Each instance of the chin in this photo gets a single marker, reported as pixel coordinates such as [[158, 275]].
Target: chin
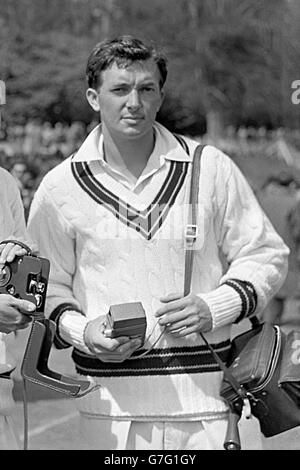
[[134, 132]]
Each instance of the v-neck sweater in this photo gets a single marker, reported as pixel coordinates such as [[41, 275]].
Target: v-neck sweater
[[109, 245]]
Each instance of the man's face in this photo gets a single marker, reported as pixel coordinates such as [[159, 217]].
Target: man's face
[[128, 99], [18, 170]]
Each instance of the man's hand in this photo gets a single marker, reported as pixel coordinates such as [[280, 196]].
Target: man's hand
[[12, 310], [8, 252], [108, 349], [13, 313], [184, 315]]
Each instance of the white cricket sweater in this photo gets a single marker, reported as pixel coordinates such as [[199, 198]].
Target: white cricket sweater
[[108, 243]]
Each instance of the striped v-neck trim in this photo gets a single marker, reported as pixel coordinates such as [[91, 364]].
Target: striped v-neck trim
[[147, 221]]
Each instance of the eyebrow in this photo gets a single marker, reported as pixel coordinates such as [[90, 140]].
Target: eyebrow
[[147, 81]]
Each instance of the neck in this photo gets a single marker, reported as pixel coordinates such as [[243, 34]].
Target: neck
[[133, 153]]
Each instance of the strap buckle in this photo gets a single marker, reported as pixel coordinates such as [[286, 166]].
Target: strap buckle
[[191, 233]]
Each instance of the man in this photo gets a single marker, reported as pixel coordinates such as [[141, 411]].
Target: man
[[18, 171], [13, 312], [112, 226]]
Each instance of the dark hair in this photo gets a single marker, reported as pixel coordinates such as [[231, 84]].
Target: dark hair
[[122, 50]]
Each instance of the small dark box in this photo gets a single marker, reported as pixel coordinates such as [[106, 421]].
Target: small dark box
[[126, 320]]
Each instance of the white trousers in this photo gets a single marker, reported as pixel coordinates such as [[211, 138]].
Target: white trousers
[[8, 437], [107, 434]]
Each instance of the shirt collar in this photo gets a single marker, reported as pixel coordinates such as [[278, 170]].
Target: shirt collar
[[166, 147]]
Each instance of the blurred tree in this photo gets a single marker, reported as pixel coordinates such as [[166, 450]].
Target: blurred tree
[[230, 54], [231, 61]]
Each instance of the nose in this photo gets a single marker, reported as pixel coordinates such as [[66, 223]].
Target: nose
[[133, 101]]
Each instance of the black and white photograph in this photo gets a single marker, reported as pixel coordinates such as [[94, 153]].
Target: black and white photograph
[[150, 227]]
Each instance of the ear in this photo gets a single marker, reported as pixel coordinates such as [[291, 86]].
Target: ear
[[162, 97], [92, 97]]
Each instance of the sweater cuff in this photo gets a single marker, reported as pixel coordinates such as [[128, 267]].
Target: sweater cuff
[[72, 325], [225, 305], [55, 316]]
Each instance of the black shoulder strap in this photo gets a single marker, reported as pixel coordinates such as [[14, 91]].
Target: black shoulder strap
[[191, 234], [192, 228]]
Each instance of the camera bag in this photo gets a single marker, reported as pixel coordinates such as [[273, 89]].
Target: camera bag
[[266, 362]]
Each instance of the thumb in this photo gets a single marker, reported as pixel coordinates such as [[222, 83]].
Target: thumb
[[23, 305], [170, 297]]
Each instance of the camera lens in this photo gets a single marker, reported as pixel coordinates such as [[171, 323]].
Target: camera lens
[[5, 275]]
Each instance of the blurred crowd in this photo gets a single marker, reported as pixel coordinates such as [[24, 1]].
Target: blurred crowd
[[31, 149], [261, 133]]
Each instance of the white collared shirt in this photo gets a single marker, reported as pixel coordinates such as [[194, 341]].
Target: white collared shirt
[[92, 150]]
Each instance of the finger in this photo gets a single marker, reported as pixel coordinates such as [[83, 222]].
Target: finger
[[23, 306], [170, 297], [15, 251], [23, 322], [24, 325], [116, 346], [14, 321], [173, 305], [2, 260], [185, 331], [2, 248], [171, 318], [128, 347], [109, 344], [117, 342], [6, 249], [187, 322]]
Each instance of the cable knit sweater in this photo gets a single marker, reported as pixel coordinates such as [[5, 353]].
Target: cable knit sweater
[[109, 243]]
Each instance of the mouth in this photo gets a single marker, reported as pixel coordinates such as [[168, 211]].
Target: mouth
[[133, 118]]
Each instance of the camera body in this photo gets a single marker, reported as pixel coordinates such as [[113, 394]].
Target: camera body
[[127, 319], [26, 277]]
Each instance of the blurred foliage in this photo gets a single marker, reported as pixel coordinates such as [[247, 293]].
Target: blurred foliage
[[231, 61]]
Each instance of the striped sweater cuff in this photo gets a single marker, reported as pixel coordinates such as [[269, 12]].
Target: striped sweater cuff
[[72, 326], [224, 304], [59, 341], [231, 302], [248, 296]]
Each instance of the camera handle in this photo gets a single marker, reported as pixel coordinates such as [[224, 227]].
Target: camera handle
[[34, 366], [35, 362]]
